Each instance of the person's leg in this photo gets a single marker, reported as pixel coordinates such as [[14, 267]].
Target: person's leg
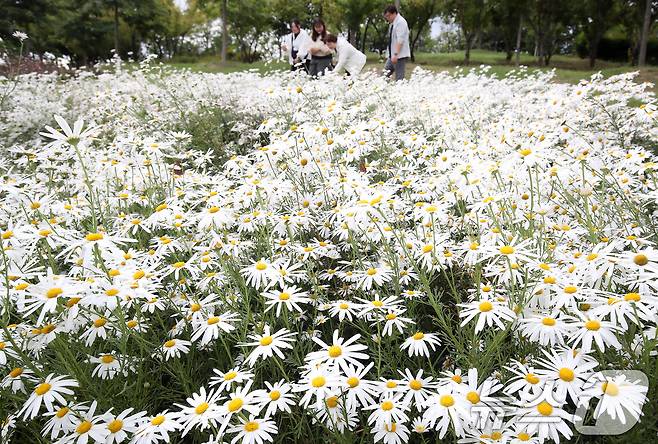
[[324, 65], [313, 68], [400, 67], [389, 67]]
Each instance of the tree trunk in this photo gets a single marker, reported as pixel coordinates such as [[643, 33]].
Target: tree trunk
[[646, 25], [116, 26], [469, 43], [363, 37], [224, 30], [518, 41], [414, 42], [594, 49], [397, 4], [351, 37]]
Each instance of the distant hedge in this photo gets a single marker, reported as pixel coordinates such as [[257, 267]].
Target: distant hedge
[[616, 49]]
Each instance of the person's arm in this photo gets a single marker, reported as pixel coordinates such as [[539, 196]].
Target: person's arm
[[342, 59], [302, 52], [401, 34]]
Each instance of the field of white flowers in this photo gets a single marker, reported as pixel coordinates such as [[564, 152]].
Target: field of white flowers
[[452, 257]]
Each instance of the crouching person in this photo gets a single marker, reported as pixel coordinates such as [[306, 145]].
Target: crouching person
[[349, 58]]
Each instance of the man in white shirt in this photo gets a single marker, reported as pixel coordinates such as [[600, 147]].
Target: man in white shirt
[[349, 58], [296, 46], [398, 43]]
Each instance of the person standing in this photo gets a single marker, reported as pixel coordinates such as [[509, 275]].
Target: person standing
[[398, 43], [321, 55], [349, 58], [296, 46]]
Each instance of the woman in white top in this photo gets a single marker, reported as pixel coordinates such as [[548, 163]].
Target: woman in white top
[[321, 55], [349, 58], [296, 44]]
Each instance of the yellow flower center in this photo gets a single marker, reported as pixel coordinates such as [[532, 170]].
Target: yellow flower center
[[318, 381], [548, 322], [158, 420], [115, 426], [266, 340], [428, 248], [532, 378], [284, 296], [230, 376], [275, 395], [234, 405], [473, 397], [170, 343], [485, 306], [566, 374], [506, 249], [570, 289], [15, 373], [54, 292], [213, 320], [418, 336], [610, 388], [335, 351], [91, 237], [545, 408], [447, 401], [387, 405], [201, 408], [260, 266], [523, 436], [593, 325], [107, 359], [332, 402], [83, 428], [62, 412], [641, 259], [251, 426], [632, 297], [42, 389], [377, 303], [415, 384], [353, 381]]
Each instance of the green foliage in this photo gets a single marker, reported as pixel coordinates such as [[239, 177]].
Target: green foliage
[[214, 129]]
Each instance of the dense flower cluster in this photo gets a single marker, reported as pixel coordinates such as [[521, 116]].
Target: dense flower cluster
[[454, 255]]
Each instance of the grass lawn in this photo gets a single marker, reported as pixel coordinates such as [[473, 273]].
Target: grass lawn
[[570, 69]]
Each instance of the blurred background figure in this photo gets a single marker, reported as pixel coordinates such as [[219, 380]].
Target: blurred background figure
[[321, 54], [398, 43], [296, 45], [349, 58]]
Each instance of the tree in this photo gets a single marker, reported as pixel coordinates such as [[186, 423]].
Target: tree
[[471, 16], [418, 14], [647, 20], [596, 17], [356, 13], [507, 16], [549, 19]]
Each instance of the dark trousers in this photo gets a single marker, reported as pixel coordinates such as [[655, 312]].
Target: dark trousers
[[397, 68], [319, 65]]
